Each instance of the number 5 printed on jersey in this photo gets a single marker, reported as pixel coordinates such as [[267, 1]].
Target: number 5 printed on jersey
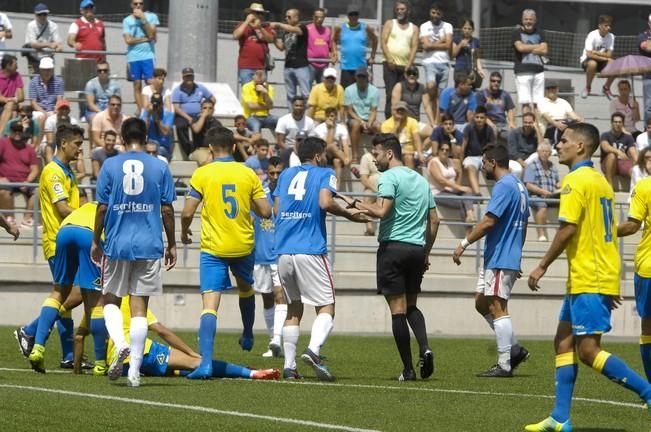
[[229, 200]]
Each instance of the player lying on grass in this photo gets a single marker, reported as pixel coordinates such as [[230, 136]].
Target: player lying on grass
[[174, 359]]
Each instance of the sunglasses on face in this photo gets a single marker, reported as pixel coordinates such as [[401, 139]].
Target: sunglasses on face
[[137, 4], [496, 81], [116, 104], [102, 70], [41, 14]]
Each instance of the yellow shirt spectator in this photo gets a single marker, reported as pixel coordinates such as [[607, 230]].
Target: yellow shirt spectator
[[321, 98], [587, 201], [406, 134], [57, 183], [251, 95]]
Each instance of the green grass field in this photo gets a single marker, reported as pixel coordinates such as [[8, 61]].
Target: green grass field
[[366, 395]]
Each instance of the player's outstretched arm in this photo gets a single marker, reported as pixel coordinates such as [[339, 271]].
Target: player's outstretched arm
[[480, 230], [327, 203], [96, 252], [172, 339], [560, 242], [379, 209], [629, 227], [167, 212]]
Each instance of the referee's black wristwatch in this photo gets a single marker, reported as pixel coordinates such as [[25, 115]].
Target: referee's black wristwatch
[[353, 205]]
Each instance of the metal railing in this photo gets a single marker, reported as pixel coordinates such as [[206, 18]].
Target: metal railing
[[333, 243]]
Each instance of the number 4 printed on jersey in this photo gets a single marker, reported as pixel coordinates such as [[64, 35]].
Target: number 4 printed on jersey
[[297, 186]]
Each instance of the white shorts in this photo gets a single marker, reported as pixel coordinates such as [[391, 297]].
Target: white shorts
[[307, 278], [496, 282], [138, 278], [530, 88], [472, 161], [265, 278]]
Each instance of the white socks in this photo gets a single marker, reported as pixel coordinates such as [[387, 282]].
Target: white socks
[[138, 336], [280, 314], [115, 325], [269, 319], [320, 331], [504, 335], [290, 340], [489, 319]]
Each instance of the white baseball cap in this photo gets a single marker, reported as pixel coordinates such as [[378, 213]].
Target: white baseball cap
[[330, 72], [46, 63]]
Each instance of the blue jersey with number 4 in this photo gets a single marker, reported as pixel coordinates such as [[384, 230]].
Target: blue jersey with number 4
[[509, 203], [133, 185], [300, 222]]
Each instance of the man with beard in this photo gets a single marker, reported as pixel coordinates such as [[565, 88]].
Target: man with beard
[[505, 228], [408, 227], [530, 48], [301, 200], [290, 125], [399, 45], [320, 45]]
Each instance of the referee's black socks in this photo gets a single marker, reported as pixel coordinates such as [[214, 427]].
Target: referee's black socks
[[417, 323], [401, 336]]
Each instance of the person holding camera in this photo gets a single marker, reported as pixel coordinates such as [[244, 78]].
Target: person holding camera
[[159, 125]]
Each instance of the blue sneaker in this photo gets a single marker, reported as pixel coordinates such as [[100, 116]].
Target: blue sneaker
[[549, 425], [202, 372], [291, 374], [246, 343], [322, 372]]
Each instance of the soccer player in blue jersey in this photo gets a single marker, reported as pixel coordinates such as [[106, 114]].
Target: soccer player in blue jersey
[[588, 234], [265, 271], [505, 228], [133, 190], [304, 195]]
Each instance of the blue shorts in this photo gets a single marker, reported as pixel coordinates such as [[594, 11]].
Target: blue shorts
[[154, 363], [140, 70], [213, 271], [72, 264], [588, 313], [642, 296]]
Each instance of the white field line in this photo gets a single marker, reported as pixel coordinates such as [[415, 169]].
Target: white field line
[[191, 408], [427, 390]]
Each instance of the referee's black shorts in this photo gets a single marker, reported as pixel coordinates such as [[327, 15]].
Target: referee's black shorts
[[400, 268]]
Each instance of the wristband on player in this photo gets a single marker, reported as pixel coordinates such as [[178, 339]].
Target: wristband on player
[[353, 205], [465, 243]]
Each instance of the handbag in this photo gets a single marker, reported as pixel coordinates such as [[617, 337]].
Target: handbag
[[34, 56]]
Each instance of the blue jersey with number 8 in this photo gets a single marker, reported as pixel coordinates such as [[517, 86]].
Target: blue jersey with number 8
[[134, 185], [300, 221]]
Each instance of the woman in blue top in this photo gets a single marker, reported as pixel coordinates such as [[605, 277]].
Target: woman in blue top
[[465, 51]]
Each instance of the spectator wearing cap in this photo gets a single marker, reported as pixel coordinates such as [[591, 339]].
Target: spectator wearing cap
[[618, 151], [45, 90], [436, 39], [31, 127], [160, 125], [499, 105], [399, 40], [257, 101], [353, 37], [406, 129], [597, 53], [361, 100], [557, 112], [294, 43], [139, 32], [644, 47], [98, 91], [320, 45], [530, 48], [187, 98], [324, 95], [41, 33], [60, 117], [6, 31], [460, 102], [109, 119], [11, 88], [415, 95], [18, 164], [87, 33], [477, 135], [254, 36]]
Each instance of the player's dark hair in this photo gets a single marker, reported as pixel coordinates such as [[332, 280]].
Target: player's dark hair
[[7, 59], [588, 132], [134, 131], [67, 132], [220, 137], [275, 161], [111, 132], [499, 154], [309, 148], [616, 114], [389, 142]]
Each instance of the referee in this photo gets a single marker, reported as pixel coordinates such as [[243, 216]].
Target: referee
[[408, 227]]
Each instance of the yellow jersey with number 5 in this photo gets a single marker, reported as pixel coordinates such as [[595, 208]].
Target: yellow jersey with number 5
[[587, 201], [226, 189], [640, 210]]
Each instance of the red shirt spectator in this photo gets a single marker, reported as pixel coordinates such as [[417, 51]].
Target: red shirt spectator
[[11, 83], [254, 37], [17, 158], [87, 33]]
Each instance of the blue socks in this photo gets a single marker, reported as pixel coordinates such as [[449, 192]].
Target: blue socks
[[207, 330], [66, 327], [247, 310], [30, 329], [618, 371], [49, 314], [566, 372], [99, 332], [222, 369]]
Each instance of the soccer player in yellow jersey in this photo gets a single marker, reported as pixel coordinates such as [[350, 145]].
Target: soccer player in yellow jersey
[[229, 191], [58, 197], [640, 212], [588, 234]]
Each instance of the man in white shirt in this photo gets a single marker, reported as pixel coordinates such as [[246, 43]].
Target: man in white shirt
[[5, 31], [557, 112], [597, 53], [644, 139], [41, 33], [290, 125], [436, 39]]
